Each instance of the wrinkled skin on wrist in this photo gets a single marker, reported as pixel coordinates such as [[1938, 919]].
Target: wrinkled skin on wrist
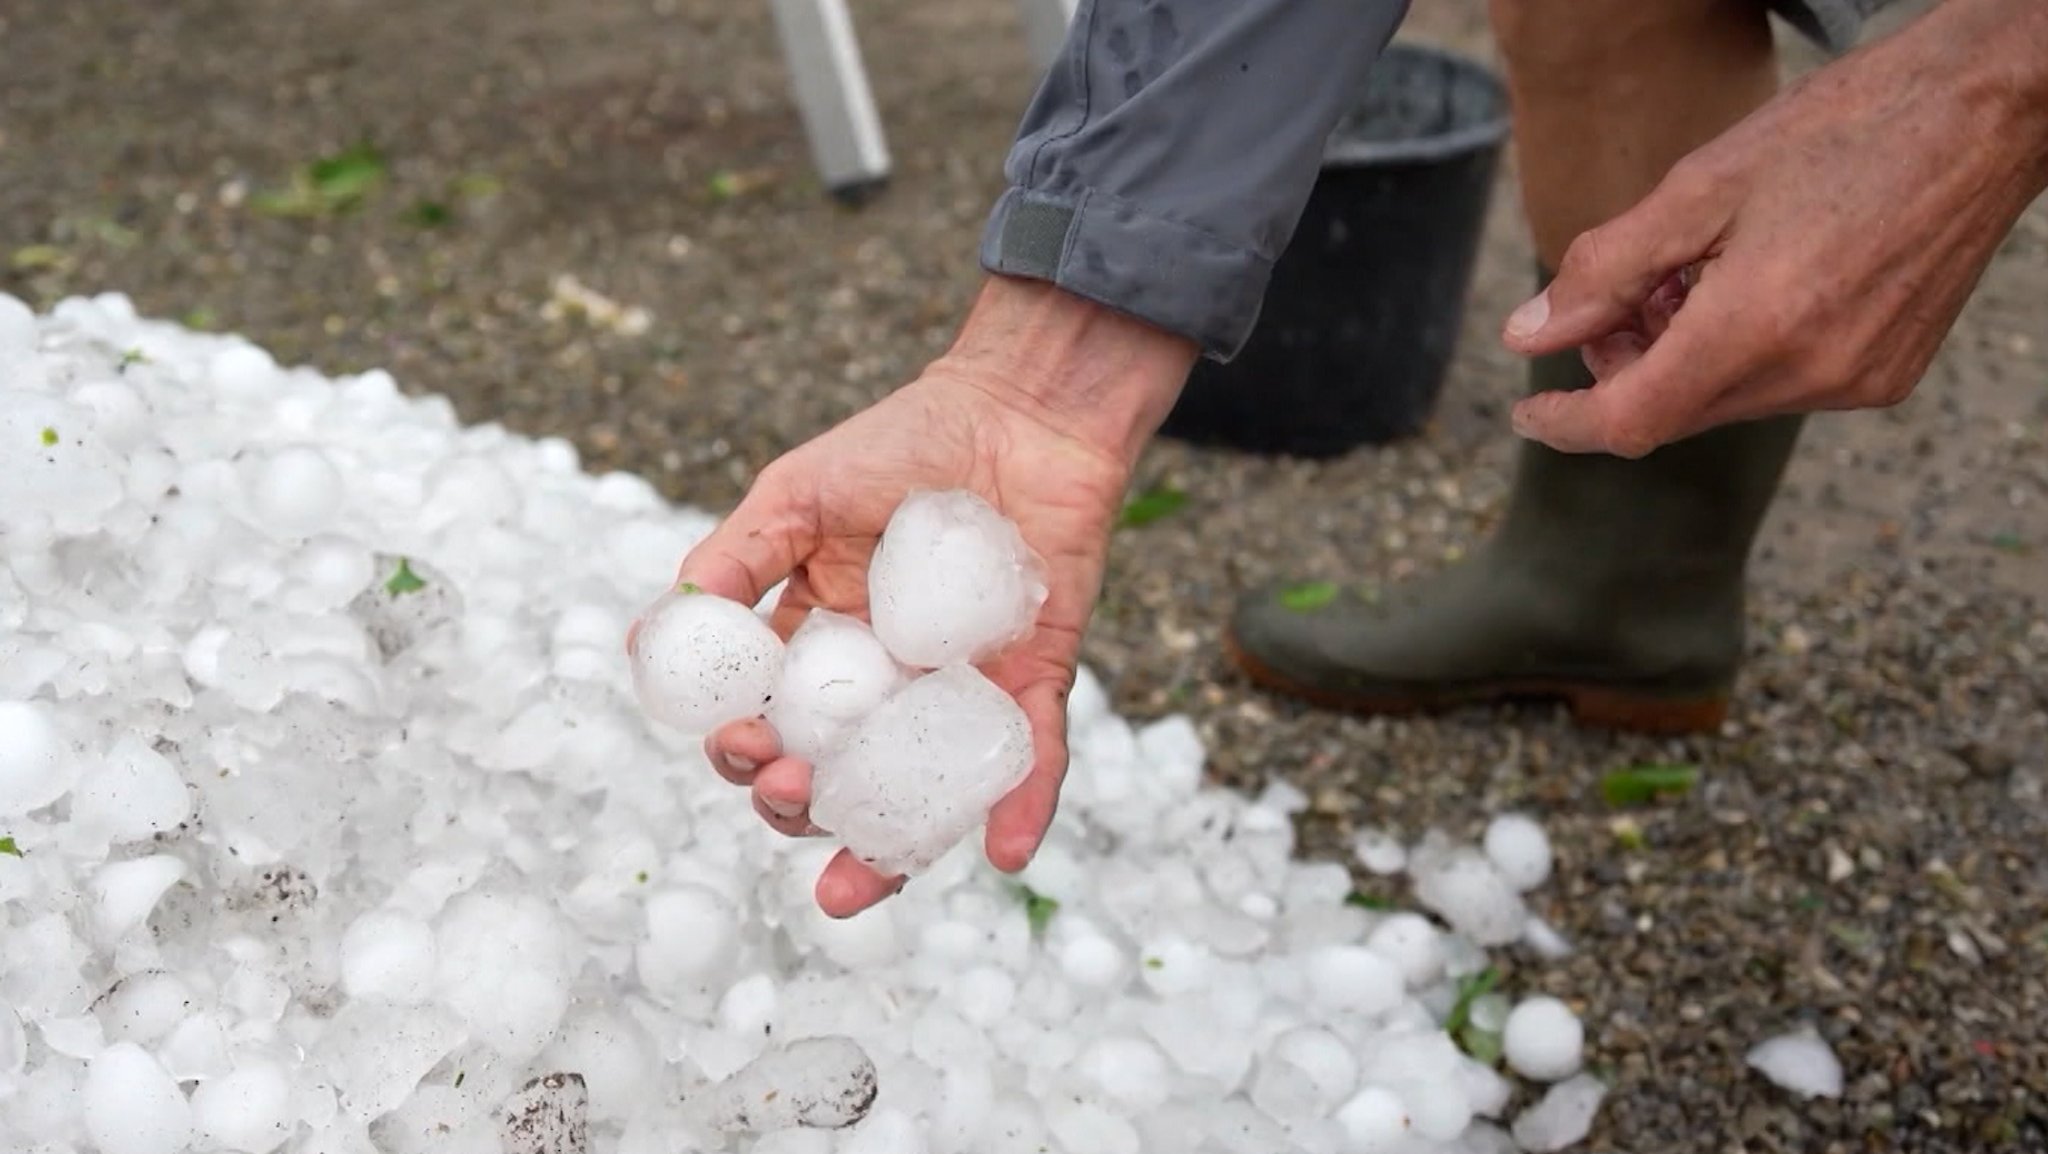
[[1812, 258]]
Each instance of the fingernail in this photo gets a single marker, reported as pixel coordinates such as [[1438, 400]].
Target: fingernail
[[1519, 422], [1528, 320], [742, 764], [781, 808]]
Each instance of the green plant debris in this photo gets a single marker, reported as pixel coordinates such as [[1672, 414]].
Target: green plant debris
[[7, 846], [1628, 835], [404, 580], [641, 877], [133, 357], [2009, 542], [1154, 964], [200, 318], [1483, 1045], [1038, 909], [1367, 901], [725, 185], [429, 214], [105, 230], [1645, 783], [477, 185], [39, 258], [1154, 504], [49, 435], [1308, 596], [1471, 988], [687, 589], [329, 186], [459, 1076]]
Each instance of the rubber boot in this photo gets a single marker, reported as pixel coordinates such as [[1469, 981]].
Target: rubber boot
[[1614, 586]]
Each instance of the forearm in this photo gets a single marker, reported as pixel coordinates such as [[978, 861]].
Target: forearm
[[1166, 158], [1999, 50], [1103, 378]]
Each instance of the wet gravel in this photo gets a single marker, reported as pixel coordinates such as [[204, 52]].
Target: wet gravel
[[1865, 849]]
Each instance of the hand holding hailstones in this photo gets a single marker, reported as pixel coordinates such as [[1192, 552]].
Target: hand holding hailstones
[[911, 746]]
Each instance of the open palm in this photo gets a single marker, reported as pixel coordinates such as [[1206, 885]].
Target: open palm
[[815, 517]]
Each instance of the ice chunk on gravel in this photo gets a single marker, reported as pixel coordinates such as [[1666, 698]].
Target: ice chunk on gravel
[[1562, 1117], [923, 770], [1519, 849], [1543, 1039], [952, 581], [1461, 885], [1801, 1062]]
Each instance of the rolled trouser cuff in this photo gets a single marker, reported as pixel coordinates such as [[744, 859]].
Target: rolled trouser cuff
[[1167, 273]]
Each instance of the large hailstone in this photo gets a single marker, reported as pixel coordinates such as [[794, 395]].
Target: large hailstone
[[1543, 1040], [700, 661], [835, 672], [923, 770], [952, 581], [37, 766]]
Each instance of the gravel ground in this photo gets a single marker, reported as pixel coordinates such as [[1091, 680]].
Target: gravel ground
[[1865, 850]]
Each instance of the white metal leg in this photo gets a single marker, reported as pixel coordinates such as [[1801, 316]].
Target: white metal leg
[[832, 93], [1045, 26]]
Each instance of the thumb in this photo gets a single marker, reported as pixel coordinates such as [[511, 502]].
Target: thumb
[[758, 545], [1610, 272]]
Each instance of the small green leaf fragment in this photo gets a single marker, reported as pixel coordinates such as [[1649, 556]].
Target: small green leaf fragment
[[641, 877], [1483, 1045], [1154, 964], [1628, 835], [200, 318], [1038, 908], [1308, 596], [1367, 901], [327, 186], [477, 185], [134, 357], [1156, 503], [726, 185], [1646, 783], [1471, 988], [38, 258], [2009, 542], [347, 176], [7, 846], [429, 214], [687, 589], [49, 435], [404, 580]]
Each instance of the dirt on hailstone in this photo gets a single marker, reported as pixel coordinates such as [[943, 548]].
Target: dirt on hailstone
[[1865, 850]]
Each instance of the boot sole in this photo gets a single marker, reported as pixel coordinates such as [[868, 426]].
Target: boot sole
[[1590, 706]]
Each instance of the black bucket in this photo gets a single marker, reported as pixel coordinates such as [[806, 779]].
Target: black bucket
[[1365, 305]]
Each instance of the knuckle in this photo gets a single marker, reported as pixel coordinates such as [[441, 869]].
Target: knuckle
[[1584, 256], [1892, 391], [1692, 177], [1632, 436]]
